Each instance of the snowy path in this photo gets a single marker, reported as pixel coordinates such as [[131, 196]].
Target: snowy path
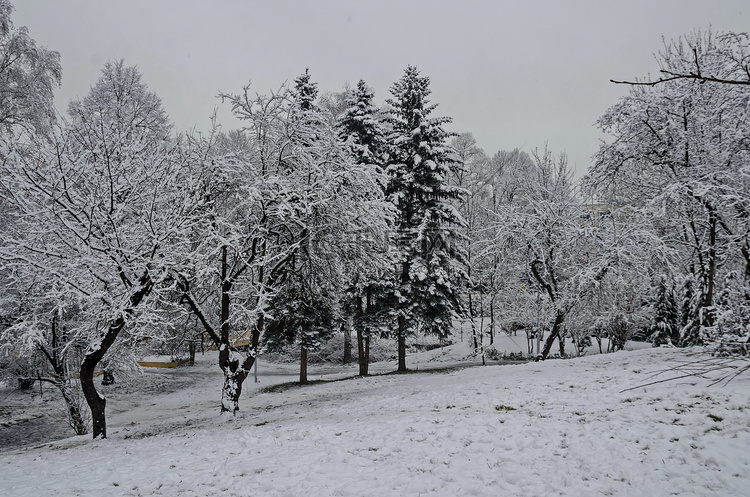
[[555, 428]]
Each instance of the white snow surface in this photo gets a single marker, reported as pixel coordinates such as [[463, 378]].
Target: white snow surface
[[561, 427]]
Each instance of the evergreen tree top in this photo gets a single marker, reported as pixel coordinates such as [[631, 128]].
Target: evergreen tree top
[[410, 105], [306, 91], [360, 124]]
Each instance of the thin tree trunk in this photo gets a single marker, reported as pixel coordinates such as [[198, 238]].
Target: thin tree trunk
[[61, 379], [74, 412], [473, 325], [561, 341], [347, 329], [401, 343], [360, 339], [402, 322], [303, 366], [709, 315], [367, 357], [492, 320]]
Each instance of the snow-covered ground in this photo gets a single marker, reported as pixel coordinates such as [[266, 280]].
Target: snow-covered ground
[[563, 427]]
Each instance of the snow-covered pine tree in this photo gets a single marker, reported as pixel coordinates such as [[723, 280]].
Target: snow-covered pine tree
[[370, 292], [362, 126], [306, 91], [665, 327], [430, 269]]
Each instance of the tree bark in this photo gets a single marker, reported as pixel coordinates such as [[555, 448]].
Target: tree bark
[[555, 333], [366, 370], [234, 376], [561, 341], [303, 365], [74, 412], [96, 352], [492, 320], [401, 339], [347, 329], [361, 353]]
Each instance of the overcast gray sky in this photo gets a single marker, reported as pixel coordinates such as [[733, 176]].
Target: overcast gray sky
[[514, 73]]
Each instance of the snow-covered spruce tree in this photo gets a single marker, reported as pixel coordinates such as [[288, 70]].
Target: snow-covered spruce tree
[[369, 291], [430, 268], [665, 327], [97, 208], [680, 151], [344, 232]]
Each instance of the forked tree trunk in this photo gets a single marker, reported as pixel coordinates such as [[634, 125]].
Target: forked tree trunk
[[303, 365], [96, 352], [554, 334], [234, 376]]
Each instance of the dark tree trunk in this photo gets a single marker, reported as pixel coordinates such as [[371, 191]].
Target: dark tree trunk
[[234, 376], [74, 412], [61, 378], [347, 329], [96, 352], [402, 321], [554, 334], [367, 358], [303, 365], [96, 402], [361, 353], [108, 378], [492, 320], [709, 314], [473, 325], [561, 341], [360, 338], [401, 341]]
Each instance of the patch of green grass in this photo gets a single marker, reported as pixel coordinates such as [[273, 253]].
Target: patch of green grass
[[713, 428], [261, 423], [504, 408], [715, 417]]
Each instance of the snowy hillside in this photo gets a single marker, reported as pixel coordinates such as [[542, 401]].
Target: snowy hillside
[[561, 427]]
